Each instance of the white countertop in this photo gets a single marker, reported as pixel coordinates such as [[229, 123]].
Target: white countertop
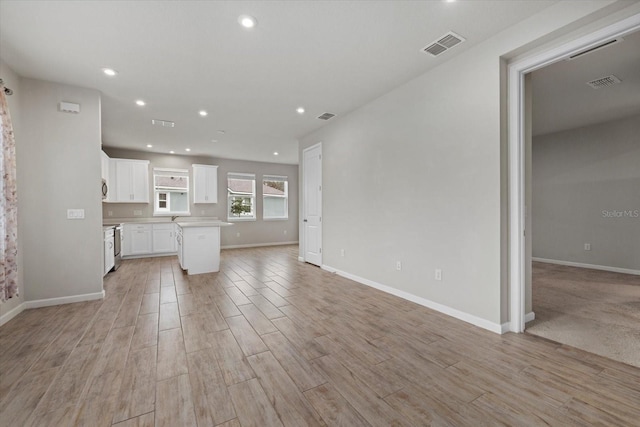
[[216, 223], [156, 220]]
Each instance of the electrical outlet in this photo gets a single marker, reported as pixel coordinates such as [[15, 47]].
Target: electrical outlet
[[137, 212], [398, 265], [438, 274], [341, 252], [238, 234], [587, 246], [202, 212], [285, 231], [110, 213]]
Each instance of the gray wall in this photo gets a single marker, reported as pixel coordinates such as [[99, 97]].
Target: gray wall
[[12, 81], [251, 232], [58, 169], [578, 174], [419, 176]]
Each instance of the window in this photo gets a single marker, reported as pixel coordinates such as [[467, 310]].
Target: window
[[171, 191], [241, 196], [275, 197]]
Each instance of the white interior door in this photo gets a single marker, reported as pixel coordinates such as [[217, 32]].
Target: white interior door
[[312, 204]]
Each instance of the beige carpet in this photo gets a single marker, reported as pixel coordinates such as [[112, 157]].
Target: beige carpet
[[593, 310]]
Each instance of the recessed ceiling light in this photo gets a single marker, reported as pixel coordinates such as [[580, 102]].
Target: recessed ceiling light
[[202, 113], [149, 145], [187, 149], [275, 153], [221, 132], [247, 21], [171, 152], [141, 103], [300, 110], [450, 1], [110, 72], [214, 140]]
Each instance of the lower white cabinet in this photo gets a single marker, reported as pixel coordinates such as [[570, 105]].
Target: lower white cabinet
[[108, 251], [164, 239], [148, 239]]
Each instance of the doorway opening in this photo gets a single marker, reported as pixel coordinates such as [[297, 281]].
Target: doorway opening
[[517, 158]]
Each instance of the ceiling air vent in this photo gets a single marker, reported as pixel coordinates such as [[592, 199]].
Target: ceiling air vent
[[604, 82], [445, 43], [326, 116], [593, 49], [164, 123]]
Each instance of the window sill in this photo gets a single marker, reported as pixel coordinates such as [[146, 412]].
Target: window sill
[[275, 219], [240, 219], [172, 214]]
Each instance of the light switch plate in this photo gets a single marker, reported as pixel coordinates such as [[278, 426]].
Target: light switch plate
[[75, 213]]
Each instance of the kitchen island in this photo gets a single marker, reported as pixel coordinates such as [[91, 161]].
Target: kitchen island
[[199, 245]]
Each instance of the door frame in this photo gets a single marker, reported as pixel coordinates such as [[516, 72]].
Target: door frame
[[304, 204], [516, 151]]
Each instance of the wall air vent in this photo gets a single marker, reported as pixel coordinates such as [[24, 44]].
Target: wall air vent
[[164, 123], [443, 44], [593, 49], [326, 116], [604, 81]]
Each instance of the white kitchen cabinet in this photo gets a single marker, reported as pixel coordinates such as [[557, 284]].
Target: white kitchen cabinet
[[164, 240], [205, 184], [131, 180], [137, 239], [179, 246], [109, 261], [199, 246]]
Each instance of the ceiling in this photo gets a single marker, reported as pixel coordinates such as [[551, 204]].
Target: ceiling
[[562, 99], [184, 56]]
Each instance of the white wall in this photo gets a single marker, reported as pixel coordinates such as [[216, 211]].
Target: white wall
[[581, 177], [12, 81], [59, 168], [418, 175], [251, 232]]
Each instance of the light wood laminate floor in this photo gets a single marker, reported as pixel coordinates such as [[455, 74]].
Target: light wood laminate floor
[[270, 341]]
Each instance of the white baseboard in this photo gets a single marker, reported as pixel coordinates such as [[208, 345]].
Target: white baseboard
[[258, 245], [63, 300], [150, 255], [301, 259], [591, 266], [12, 313], [461, 315], [529, 317]]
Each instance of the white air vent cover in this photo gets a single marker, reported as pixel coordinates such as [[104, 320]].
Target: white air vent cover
[[443, 44], [164, 123], [326, 116], [593, 49], [604, 81]]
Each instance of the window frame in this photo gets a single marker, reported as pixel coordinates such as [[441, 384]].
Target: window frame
[[252, 196], [157, 211], [280, 178]]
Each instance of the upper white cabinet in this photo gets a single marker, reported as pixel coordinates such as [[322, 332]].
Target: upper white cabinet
[[205, 184], [131, 181]]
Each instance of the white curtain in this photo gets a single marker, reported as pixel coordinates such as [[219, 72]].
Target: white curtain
[[8, 205]]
